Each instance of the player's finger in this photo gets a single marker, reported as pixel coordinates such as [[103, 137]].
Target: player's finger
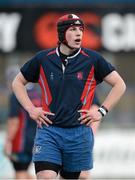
[[95, 120], [45, 118], [43, 121], [83, 110], [83, 117], [91, 121], [85, 120], [48, 113], [39, 124]]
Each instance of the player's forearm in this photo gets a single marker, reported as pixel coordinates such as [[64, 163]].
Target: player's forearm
[[21, 94], [115, 94]]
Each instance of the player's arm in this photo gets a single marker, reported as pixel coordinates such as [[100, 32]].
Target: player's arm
[[95, 106], [95, 125], [36, 113], [19, 89], [118, 89]]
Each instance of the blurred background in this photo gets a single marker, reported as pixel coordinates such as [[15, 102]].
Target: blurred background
[[29, 26]]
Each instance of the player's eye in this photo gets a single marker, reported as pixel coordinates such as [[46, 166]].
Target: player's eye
[[81, 29], [73, 28]]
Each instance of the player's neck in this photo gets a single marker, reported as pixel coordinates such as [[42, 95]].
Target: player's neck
[[66, 50]]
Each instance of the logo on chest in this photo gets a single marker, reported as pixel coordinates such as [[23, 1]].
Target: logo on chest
[[51, 76], [79, 75]]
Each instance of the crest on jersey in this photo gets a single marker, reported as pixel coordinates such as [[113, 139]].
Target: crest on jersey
[[80, 75], [51, 76]]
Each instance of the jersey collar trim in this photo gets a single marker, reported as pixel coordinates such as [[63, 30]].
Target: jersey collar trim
[[70, 57]]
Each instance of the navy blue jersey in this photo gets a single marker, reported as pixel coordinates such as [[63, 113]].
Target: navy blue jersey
[[24, 138], [66, 90]]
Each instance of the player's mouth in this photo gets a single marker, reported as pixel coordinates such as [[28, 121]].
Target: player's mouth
[[78, 41]]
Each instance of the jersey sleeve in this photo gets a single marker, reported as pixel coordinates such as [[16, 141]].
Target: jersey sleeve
[[102, 69], [30, 70], [14, 107]]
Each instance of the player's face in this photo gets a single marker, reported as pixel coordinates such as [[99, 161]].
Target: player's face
[[74, 36]]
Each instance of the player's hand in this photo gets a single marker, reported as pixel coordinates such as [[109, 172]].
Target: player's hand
[[89, 116], [40, 116]]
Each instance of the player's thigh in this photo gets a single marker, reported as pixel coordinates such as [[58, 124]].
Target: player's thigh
[[78, 151], [46, 174], [85, 175], [46, 146]]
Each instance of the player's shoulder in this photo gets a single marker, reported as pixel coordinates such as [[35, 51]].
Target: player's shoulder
[[91, 53], [45, 52]]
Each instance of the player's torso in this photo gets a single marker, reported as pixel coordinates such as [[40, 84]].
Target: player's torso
[[67, 89]]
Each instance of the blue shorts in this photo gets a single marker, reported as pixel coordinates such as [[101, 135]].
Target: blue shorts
[[72, 148]]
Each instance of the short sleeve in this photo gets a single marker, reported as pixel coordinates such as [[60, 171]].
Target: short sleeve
[[102, 68], [14, 107], [30, 70]]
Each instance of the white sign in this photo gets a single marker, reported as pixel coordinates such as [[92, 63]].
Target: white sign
[[114, 154], [118, 32], [9, 24]]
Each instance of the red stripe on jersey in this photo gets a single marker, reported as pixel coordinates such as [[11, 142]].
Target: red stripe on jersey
[[90, 96], [85, 54], [89, 89], [19, 139], [44, 105], [46, 94], [51, 52]]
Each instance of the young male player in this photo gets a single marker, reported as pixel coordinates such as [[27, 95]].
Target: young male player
[[67, 75]]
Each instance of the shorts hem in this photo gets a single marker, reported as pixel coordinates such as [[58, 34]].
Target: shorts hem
[[46, 160]]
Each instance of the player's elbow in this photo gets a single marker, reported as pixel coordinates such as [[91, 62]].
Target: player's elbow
[[14, 84], [122, 86], [18, 82]]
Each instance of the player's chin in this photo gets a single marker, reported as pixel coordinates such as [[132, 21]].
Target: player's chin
[[76, 46]]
